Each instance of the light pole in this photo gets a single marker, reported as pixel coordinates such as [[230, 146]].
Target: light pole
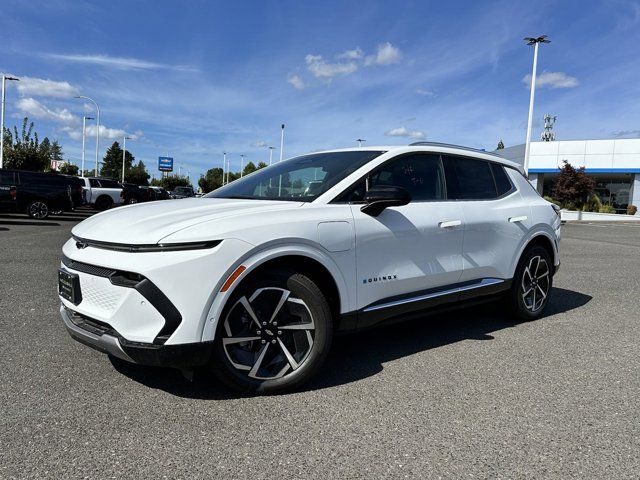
[[84, 126], [360, 140], [535, 42], [4, 81], [97, 128], [271, 149], [282, 142], [241, 165], [224, 166], [124, 153]]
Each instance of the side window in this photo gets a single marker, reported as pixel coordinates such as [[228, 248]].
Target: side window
[[109, 184], [6, 179], [421, 175], [93, 182], [503, 184], [469, 179]]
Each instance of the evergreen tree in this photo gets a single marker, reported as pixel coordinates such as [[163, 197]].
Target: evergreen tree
[[249, 168], [261, 165], [500, 145], [112, 162], [137, 174]]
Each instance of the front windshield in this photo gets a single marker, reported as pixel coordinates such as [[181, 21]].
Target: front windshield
[[301, 179]]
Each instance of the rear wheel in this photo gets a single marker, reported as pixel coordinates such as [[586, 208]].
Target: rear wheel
[[103, 203], [38, 209], [532, 284], [274, 334]]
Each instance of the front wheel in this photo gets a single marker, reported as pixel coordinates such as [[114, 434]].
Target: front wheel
[[38, 209], [274, 334], [532, 284]]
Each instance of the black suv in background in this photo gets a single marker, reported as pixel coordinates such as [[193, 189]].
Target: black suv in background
[[182, 192], [37, 194]]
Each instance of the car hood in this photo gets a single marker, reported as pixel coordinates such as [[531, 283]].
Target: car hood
[[148, 223]]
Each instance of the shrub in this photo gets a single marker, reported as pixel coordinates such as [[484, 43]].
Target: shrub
[[607, 209], [593, 204], [573, 185], [552, 200], [631, 210]]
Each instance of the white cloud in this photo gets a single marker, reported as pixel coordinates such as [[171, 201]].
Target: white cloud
[[552, 80], [405, 132], [296, 81], [425, 92], [106, 133], [626, 133], [387, 54], [320, 68], [259, 143], [122, 63], [32, 108], [355, 54], [45, 88]]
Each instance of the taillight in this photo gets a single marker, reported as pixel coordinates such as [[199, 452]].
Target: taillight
[[13, 192], [121, 193], [556, 209]]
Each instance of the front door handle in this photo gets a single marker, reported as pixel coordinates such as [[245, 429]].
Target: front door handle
[[450, 223], [521, 218]]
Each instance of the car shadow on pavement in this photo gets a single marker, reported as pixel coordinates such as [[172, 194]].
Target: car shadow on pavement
[[36, 223], [358, 356]]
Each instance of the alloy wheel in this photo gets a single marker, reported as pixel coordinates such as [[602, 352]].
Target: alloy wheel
[[269, 334], [38, 210], [535, 284]]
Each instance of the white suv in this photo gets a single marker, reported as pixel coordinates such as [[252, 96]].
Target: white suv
[[255, 278], [102, 193]]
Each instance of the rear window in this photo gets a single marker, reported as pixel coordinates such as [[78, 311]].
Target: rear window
[[503, 184], [469, 179], [7, 178], [105, 183]]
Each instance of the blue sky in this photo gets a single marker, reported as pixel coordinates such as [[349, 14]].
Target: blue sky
[[193, 79]]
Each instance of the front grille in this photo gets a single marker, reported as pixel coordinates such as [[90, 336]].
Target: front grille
[[86, 268]]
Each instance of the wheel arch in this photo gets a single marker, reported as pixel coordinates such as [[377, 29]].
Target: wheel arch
[[543, 239], [305, 259]]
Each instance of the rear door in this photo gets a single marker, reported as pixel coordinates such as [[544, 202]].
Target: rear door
[[415, 247], [7, 183], [496, 218]]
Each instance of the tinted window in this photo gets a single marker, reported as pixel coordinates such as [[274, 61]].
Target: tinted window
[[109, 183], [94, 182], [469, 179], [6, 178], [503, 184], [421, 175]]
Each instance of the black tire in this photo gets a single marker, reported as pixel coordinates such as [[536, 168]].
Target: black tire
[[103, 203], [307, 348], [38, 209], [132, 200], [530, 306]]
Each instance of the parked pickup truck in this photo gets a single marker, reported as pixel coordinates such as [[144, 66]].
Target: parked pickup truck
[[102, 193]]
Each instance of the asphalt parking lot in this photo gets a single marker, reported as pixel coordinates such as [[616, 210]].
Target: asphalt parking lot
[[468, 394]]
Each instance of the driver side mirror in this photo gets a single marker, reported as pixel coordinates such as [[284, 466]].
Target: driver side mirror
[[379, 198]]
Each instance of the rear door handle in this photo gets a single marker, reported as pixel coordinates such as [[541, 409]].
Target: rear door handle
[[521, 218], [450, 223]]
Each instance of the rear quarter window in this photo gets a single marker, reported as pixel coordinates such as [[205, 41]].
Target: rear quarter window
[[469, 179], [503, 183]]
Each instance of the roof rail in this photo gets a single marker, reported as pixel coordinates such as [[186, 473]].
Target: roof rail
[[451, 145]]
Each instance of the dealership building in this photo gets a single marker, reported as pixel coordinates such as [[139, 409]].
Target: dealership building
[[613, 164]]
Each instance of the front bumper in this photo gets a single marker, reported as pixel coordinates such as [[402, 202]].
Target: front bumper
[[105, 339]]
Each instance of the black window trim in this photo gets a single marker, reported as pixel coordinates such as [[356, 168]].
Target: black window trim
[[446, 198]]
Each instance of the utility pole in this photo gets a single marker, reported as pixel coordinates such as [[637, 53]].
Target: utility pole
[[4, 81], [360, 140], [124, 153], [241, 165], [282, 142], [271, 149], [84, 127]]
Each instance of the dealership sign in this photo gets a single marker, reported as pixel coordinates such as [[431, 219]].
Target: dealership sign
[[165, 164]]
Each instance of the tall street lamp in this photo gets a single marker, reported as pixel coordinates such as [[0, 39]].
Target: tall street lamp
[[4, 81], [535, 42], [271, 149], [282, 142], [124, 153], [360, 140], [224, 166], [241, 165], [84, 127], [97, 127]]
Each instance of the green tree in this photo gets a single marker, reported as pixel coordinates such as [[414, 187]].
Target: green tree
[[261, 165], [55, 152], [112, 162], [169, 183], [211, 180], [249, 168], [137, 174], [500, 145], [23, 150], [69, 169]]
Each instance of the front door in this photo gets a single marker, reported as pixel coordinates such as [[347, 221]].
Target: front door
[[412, 248]]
